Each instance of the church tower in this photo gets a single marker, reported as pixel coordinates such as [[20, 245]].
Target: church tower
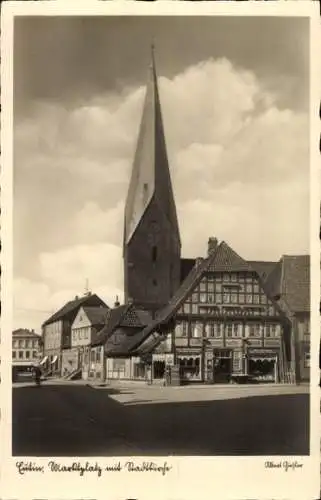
[[152, 246]]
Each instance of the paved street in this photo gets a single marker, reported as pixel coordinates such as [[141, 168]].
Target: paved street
[[77, 420]]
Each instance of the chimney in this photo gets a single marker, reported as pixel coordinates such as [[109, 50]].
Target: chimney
[[117, 303], [212, 245], [76, 297]]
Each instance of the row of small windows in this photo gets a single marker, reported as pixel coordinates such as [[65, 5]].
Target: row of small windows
[[80, 333], [227, 297], [24, 354], [191, 308], [229, 329], [206, 286], [230, 278], [22, 343], [93, 356]]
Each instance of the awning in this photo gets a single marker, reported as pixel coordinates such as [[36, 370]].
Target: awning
[[261, 358], [54, 359], [43, 361]]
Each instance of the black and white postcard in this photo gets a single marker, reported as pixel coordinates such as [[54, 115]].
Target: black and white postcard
[[160, 251]]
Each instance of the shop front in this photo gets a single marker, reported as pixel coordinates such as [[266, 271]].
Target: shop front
[[160, 364], [263, 365], [190, 367]]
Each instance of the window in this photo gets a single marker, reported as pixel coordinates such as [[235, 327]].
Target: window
[[210, 287], [27, 354], [186, 308], [203, 287], [241, 298], [20, 354], [306, 360], [21, 343], [233, 277], [226, 277], [256, 299], [237, 330], [210, 297], [218, 287], [257, 330], [14, 354], [203, 298], [15, 343], [34, 354], [249, 299], [119, 364], [184, 328], [229, 329], [154, 253], [197, 330], [213, 329], [92, 356], [271, 330], [226, 298], [195, 297], [219, 299], [263, 299], [254, 330], [194, 309], [179, 330], [248, 288], [256, 288], [234, 298]]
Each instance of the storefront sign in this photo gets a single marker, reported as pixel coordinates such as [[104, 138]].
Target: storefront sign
[[170, 359], [233, 342], [159, 357], [262, 351]]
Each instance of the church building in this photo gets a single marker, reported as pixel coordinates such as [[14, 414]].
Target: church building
[[213, 319], [216, 319]]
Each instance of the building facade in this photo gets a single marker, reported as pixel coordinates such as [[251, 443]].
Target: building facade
[[226, 327], [87, 323], [26, 349], [289, 284], [56, 332]]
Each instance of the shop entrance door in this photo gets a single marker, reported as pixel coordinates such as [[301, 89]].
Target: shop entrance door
[[222, 366]]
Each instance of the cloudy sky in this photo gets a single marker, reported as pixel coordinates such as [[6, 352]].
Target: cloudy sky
[[235, 108]]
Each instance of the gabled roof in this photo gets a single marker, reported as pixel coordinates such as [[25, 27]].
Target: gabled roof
[[24, 332], [222, 259], [263, 268], [96, 314], [228, 260], [290, 280], [70, 309], [125, 317]]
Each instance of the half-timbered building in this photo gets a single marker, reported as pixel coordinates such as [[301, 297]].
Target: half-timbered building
[[222, 325]]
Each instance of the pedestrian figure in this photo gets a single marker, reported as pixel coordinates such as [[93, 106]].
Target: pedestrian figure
[[37, 374]]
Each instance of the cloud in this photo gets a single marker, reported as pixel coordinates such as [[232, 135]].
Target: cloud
[[239, 166]]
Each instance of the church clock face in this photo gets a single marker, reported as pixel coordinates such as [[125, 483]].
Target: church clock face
[[153, 233]]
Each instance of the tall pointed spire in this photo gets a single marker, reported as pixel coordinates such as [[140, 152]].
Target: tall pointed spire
[[150, 174], [151, 233]]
